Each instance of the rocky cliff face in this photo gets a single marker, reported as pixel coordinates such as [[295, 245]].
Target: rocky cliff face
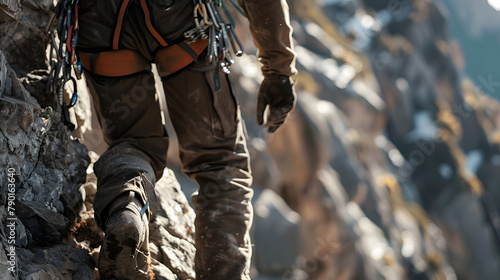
[[387, 168], [43, 166], [42, 171]]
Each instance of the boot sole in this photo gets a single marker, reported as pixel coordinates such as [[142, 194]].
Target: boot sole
[[121, 251]]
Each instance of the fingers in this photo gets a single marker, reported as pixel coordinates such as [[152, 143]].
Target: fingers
[[277, 117], [272, 128], [278, 96], [261, 108]]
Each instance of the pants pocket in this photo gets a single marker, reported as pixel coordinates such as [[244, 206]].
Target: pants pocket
[[225, 105]]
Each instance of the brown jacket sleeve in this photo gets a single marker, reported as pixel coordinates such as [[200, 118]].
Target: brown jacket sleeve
[[272, 35]]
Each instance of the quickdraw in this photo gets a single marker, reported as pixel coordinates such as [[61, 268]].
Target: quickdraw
[[220, 34], [62, 59]]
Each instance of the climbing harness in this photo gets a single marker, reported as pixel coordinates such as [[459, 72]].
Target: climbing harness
[[63, 57], [210, 33]]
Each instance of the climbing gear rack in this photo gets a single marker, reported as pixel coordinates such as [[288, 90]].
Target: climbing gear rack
[[209, 24], [62, 58]]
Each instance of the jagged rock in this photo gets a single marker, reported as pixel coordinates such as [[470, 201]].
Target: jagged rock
[[276, 234], [24, 40], [162, 272], [45, 225], [466, 228], [38, 148], [57, 262], [4, 264], [380, 260], [48, 168], [23, 105], [276, 228], [172, 230], [36, 82], [9, 10], [439, 134]]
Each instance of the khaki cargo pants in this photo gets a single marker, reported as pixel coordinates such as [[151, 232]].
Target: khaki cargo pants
[[208, 124]]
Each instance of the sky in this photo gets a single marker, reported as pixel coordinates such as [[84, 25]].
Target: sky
[[476, 25]]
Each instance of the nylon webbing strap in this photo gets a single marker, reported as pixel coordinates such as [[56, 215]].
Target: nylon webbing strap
[[175, 57], [92, 58], [114, 63], [189, 50], [119, 24], [147, 18], [126, 62], [150, 26]]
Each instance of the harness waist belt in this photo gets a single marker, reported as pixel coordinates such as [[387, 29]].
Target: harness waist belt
[[114, 63], [125, 62]]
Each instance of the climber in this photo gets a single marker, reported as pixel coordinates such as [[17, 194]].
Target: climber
[[117, 42]]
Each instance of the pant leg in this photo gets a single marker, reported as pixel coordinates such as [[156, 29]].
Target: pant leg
[[131, 121], [214, 153]]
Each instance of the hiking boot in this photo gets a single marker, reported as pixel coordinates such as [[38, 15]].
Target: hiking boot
[[124, 253]]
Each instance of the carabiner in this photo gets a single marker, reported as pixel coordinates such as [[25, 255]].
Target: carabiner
[[74, 96]]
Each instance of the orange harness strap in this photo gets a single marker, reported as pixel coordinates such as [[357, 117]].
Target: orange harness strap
[[125, 62], [175, 57], [147, 18], [114, 63], [152, 30], [119, 24]]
